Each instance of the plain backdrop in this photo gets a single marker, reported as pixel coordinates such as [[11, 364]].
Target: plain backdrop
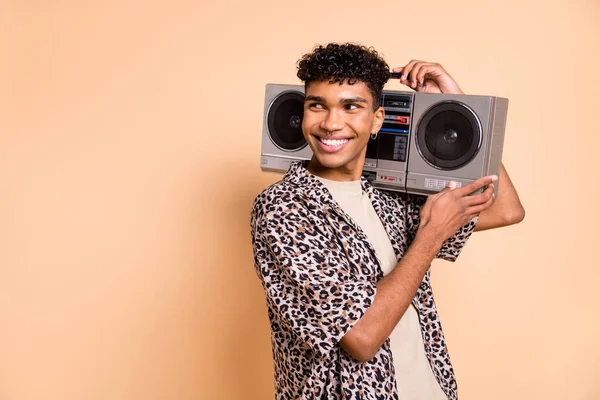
[[129, 159]]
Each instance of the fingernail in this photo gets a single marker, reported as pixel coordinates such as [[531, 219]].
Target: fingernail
[[494, 178]]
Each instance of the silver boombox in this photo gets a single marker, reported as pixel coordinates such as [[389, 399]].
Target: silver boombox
[[426, 141]]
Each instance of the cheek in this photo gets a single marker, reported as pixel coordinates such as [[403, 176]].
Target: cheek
[[309, 121], [362, 124]]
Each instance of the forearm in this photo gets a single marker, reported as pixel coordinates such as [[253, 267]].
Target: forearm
[[507, 208], [394, 295]]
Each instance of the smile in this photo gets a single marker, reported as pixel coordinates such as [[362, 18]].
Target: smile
[[333, 145], [334, 142]]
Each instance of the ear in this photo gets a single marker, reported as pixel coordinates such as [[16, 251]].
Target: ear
[[378, 120]]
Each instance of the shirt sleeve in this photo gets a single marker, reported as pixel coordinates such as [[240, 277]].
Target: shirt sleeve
[[452, 246], [307, 279]]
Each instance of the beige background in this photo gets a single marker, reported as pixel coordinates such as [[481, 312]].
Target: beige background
[[129, 159]]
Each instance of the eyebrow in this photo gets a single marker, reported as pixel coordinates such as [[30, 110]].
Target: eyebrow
[[342, 101]]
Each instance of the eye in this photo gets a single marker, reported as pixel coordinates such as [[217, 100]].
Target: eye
[[317, 106], [352, 107]]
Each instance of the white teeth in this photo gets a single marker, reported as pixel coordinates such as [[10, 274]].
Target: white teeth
[[335, 143]]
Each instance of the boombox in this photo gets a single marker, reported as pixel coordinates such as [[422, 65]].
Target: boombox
[[426, 141]]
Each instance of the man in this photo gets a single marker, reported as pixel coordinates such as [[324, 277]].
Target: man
[[344, 266]]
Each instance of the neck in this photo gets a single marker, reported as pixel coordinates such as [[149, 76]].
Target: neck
[[344, 173]]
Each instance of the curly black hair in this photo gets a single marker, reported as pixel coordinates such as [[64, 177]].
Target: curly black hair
[[347, 62]]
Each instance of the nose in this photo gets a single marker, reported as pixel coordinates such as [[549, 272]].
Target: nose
[[333, 121]]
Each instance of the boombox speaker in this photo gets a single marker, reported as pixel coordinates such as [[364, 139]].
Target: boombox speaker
[[426, 141]]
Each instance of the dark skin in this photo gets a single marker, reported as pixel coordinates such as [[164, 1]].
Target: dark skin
[[338, 121], [429, 77], [342, 113]]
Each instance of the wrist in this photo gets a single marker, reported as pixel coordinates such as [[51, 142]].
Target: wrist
[[450, 87], [453, 90], [429, 237]]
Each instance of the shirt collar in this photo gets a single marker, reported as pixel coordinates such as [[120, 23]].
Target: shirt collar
[[308, 183]]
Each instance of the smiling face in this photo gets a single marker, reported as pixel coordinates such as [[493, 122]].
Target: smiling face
[[338, 123]]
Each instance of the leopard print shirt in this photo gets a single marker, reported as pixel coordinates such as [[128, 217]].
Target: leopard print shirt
[[319, 273]]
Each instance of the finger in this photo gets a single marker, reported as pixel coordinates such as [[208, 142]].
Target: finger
[[425, 68], [475, 185], [432, 198], [474, 210], [430, 86], [418, 74], [402, 74], [413, 75], [481, 197], [436, 196], [425, 211], [406, 72]]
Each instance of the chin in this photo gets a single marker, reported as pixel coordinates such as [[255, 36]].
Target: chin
[[347, 158], [326, 163], [333, 162]]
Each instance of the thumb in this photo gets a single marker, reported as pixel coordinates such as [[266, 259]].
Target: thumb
[[426, 208]]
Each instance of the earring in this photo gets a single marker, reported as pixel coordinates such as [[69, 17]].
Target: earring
[[374, 136]]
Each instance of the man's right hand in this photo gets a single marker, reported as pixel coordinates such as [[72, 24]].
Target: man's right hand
[[445, 212], [441, 216]]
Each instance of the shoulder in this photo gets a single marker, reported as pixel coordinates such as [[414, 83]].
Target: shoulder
[[279, 200], [274, 197]]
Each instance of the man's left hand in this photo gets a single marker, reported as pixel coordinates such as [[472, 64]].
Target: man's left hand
[[427, 77]]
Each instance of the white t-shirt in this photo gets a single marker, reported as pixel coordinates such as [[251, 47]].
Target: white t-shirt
[[414, 377]]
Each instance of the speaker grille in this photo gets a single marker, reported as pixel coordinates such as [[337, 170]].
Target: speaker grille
[[448, 135], [284, 121]]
